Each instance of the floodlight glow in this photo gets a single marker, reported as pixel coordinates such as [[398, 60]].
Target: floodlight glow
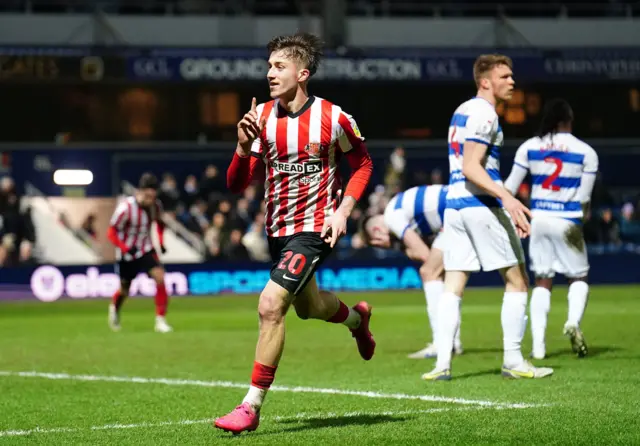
[[72, 177]]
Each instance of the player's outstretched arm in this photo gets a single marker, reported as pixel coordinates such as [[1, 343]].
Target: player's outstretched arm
[[515, 179], [588, 180], [472, 169], [361, 165], [415, 248], [519, 169]]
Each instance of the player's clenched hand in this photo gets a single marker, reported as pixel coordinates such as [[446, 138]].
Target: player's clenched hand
[[249, 128], [519, 213], [334, 227]]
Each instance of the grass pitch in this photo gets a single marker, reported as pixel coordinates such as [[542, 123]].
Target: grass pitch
[[65, 379]]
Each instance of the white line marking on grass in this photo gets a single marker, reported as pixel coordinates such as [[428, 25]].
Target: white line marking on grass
[[276, 388], [300, 417], [61, 430]]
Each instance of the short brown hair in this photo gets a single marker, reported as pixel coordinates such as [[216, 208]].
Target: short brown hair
[[304, 48], [487, 62], [148, 181]]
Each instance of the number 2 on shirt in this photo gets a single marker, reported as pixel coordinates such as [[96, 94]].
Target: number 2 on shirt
[[547, 184]]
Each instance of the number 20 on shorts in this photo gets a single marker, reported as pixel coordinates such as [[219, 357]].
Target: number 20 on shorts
[[293, 263]]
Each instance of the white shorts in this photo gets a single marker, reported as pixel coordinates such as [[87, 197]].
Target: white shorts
[[480, 237], [439, 242], [557, 246]]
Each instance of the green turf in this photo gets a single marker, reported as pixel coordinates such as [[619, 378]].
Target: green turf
[[595, 400]]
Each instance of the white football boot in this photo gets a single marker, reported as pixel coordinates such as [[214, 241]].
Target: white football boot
[[526, 370], [114, 318], [162, 326]]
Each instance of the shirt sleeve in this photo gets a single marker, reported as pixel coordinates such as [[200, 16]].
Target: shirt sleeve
[[591, 162], [482, 127], [522, 156], [348, 133]]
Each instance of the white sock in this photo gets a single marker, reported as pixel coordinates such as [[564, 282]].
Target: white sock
[[456, 339], [255, 397], [539, 309], [578, 293], [448, 321], [514, 307], [353, 320], [433, 289]]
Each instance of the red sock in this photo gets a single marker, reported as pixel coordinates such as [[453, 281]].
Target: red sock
[[341, 315], [118, 299], [161, 300], [263, 375]]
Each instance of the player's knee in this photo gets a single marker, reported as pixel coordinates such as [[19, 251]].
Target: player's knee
[[517, 279], [157, 274], [430, 272], [271, 309], [124, 287]]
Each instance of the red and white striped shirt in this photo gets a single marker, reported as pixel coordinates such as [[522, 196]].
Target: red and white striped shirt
[[131, 226], [301, 153]]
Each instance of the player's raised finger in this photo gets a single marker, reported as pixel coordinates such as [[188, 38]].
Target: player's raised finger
[[254, 104]]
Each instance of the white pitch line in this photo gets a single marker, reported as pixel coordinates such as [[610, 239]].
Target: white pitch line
[[297, 417], [275, 388]]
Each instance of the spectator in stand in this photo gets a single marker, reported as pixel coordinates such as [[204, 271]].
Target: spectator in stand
[[436, 176], [241, 216], [17, 233], [255, 240], [197, 219], [214, 235], [88, 225], [233, 249], [629, 227], [225, 207], [168, 194], [608, 229], [211, 185], [394, 177], [190, 191]]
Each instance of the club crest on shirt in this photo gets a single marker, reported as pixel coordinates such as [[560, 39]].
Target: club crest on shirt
[[314, 149]]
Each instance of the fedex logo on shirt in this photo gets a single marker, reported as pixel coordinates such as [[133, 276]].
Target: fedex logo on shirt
[[309, 168]]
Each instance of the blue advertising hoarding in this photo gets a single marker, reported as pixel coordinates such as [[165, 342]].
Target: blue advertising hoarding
[[49, 283]]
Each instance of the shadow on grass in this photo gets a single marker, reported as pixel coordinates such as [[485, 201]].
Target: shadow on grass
[[594, 351], [338, 421]]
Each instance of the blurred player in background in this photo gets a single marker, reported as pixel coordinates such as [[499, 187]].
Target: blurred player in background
[[411, 220], [300, 139], [479, 221], [130, 232], [563, 171]]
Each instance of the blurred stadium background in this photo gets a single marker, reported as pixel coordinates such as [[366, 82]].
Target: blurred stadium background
[[120, 87]]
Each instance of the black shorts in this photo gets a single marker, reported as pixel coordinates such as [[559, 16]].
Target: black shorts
[[296, 258], [129, 269]]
